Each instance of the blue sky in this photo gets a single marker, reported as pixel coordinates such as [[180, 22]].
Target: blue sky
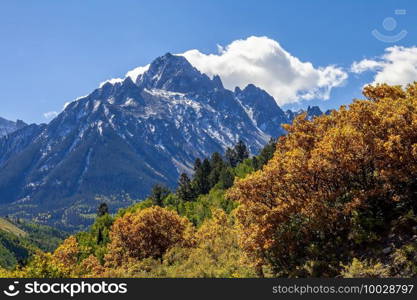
[[54, 51]]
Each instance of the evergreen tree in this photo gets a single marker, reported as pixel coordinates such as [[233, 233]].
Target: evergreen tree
[[206, 170], [226, 178], [103, 209], [217, 165], [216, 161], [158, 194], [100, 236], [231, 157], [201, 182], [241, 152], [185, 190], [197, 164], [266, 154], [256, 164]]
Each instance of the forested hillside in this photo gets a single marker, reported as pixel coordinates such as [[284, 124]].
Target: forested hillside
[[334, 197], [20, 240]]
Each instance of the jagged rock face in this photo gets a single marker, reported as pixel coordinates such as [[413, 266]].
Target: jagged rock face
[[262, 109], [174, 73], [311, 112], [7, 127], [125, 137]]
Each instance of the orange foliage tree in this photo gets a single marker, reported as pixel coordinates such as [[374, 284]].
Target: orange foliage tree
[[67, 253], [328, 178], [146, 233]]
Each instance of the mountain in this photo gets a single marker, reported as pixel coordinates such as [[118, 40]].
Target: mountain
[[125, 137], [311, 112], [7, 127], [262, 109]]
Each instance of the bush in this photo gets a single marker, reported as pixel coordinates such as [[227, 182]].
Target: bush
[[365, 269], [146, 233]]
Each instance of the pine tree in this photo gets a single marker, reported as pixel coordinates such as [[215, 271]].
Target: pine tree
[[201, 182], [266, 154], [226, 178], [100, 236], [217, 165], [185, 190], [158, 194], [197, 164], [256, 164], [216, 160], [206, 170], [231, 157], [102, 209], [241, 151]]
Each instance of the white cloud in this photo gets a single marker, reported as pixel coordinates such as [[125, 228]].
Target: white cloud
[[263, 62], [397, 66], [50, 115], [133, 74]]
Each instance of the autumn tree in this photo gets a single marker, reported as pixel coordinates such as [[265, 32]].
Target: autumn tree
[[90, 268], [42, 265], [66, 256], [330, 180], [215, 252], [146, 233]]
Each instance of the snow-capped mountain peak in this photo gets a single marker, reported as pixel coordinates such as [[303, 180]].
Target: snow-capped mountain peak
[[128, 135]]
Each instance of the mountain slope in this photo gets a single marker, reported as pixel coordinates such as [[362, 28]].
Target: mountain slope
[[6, 225], [7, 127], [19, 240], [125, 137]]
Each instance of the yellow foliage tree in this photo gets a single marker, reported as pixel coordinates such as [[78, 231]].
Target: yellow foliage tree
[[90, 268], [358, 159], [215, 253], [66, 256]]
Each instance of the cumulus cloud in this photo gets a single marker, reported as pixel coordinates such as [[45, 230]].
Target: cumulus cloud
[[397, 66], [50, 115], [263, 62]]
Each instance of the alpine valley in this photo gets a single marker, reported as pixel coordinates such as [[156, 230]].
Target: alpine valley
[[126, 136]]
